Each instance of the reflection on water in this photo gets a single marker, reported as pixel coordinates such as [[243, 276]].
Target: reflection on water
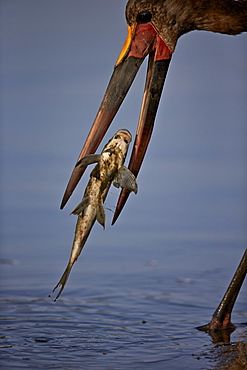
[[116, 315]]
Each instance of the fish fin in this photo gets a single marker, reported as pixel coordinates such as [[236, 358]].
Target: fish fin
[[88, 159], [95, 172], [63, 280], [125, 179], [100, 214], [80, 208]]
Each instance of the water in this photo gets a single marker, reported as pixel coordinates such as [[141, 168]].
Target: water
[[117, 314], [139, 288]]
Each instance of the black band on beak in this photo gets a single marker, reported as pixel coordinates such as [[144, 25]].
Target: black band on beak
[[120, 82], [142, 40], [156, 75]]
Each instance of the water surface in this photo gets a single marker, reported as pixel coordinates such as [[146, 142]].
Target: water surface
[[139, 288], [116, 314]]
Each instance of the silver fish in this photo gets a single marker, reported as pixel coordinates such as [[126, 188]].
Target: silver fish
[[109, 169]]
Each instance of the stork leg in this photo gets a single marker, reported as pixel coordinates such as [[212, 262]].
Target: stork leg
[[221, 319]]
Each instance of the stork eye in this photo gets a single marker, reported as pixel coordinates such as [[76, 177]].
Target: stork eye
[[144, 17]]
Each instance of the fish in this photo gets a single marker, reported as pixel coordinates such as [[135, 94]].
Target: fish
[[109, 170]]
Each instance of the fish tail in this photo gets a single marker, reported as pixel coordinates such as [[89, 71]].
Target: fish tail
[[79, 242], [63, 280]]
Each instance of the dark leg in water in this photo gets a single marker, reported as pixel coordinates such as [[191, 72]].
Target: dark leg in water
[[222, 316]]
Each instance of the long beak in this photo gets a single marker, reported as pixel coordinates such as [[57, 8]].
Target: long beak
[[142, 40]]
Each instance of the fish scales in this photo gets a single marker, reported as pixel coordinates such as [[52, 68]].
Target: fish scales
[[109, 169]]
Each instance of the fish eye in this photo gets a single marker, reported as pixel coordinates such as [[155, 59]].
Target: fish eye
[[144, 17]]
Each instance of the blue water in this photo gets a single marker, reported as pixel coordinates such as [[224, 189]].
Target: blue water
[[118, 312], [139, 288]]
